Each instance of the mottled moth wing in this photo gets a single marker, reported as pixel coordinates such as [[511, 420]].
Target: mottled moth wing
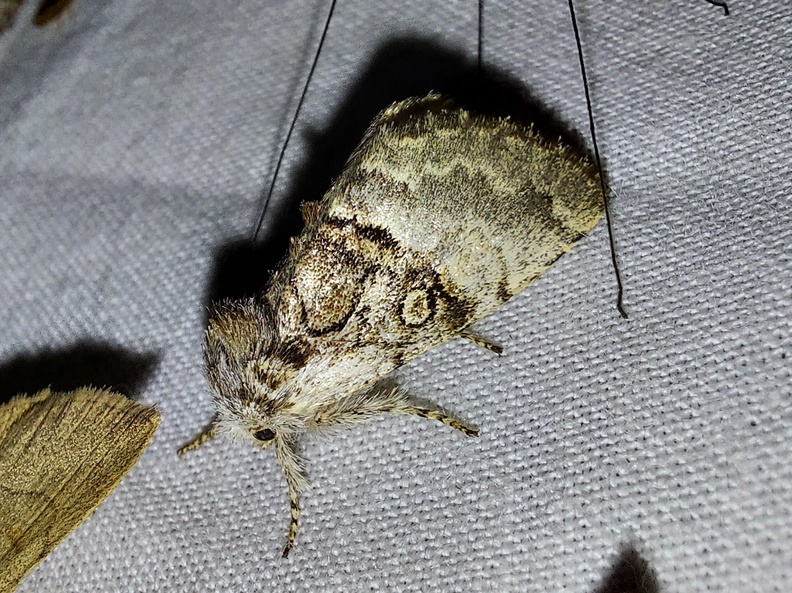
[[60, 456], [439, 217]]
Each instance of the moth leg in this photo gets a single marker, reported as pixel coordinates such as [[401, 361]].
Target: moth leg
[[294, 471], [208, 433], [294, 505], [441, 417], [364, 405], [481, 341]]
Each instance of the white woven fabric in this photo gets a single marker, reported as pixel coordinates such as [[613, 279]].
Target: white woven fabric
[[137, 137]]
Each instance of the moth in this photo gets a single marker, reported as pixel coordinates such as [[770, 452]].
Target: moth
[[439, 216], [61, 454]]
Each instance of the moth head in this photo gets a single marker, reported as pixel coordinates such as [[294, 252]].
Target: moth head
[[245, 422], [248, 370], [238, 331]]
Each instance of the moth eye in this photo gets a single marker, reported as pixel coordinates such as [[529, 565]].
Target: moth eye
[[267, 434]]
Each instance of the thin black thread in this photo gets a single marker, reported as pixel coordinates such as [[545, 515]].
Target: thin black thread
[[294, 121], [722, 4], [619, 301]]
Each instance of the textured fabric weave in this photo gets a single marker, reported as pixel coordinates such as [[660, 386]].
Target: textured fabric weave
[[136, 140]]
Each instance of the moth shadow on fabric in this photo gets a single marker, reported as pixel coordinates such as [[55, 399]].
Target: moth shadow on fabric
[[630, 573], [401, 68], [86, 363]]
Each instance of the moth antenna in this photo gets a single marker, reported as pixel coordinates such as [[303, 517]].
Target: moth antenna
[[207, 433], [268, 195], [722, 4], [619, 301]]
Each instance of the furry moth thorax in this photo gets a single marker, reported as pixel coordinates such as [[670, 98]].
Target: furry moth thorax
[[439, 217]]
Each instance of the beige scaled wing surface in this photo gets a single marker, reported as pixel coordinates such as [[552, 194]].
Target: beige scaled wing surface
[[488, 200], [439, 217], [60, 456]]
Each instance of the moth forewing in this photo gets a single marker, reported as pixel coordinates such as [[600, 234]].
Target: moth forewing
[[487, 202], [61, 454], [439, 217]]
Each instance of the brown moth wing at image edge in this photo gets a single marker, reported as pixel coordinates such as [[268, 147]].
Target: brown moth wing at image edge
[[61, 454]]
